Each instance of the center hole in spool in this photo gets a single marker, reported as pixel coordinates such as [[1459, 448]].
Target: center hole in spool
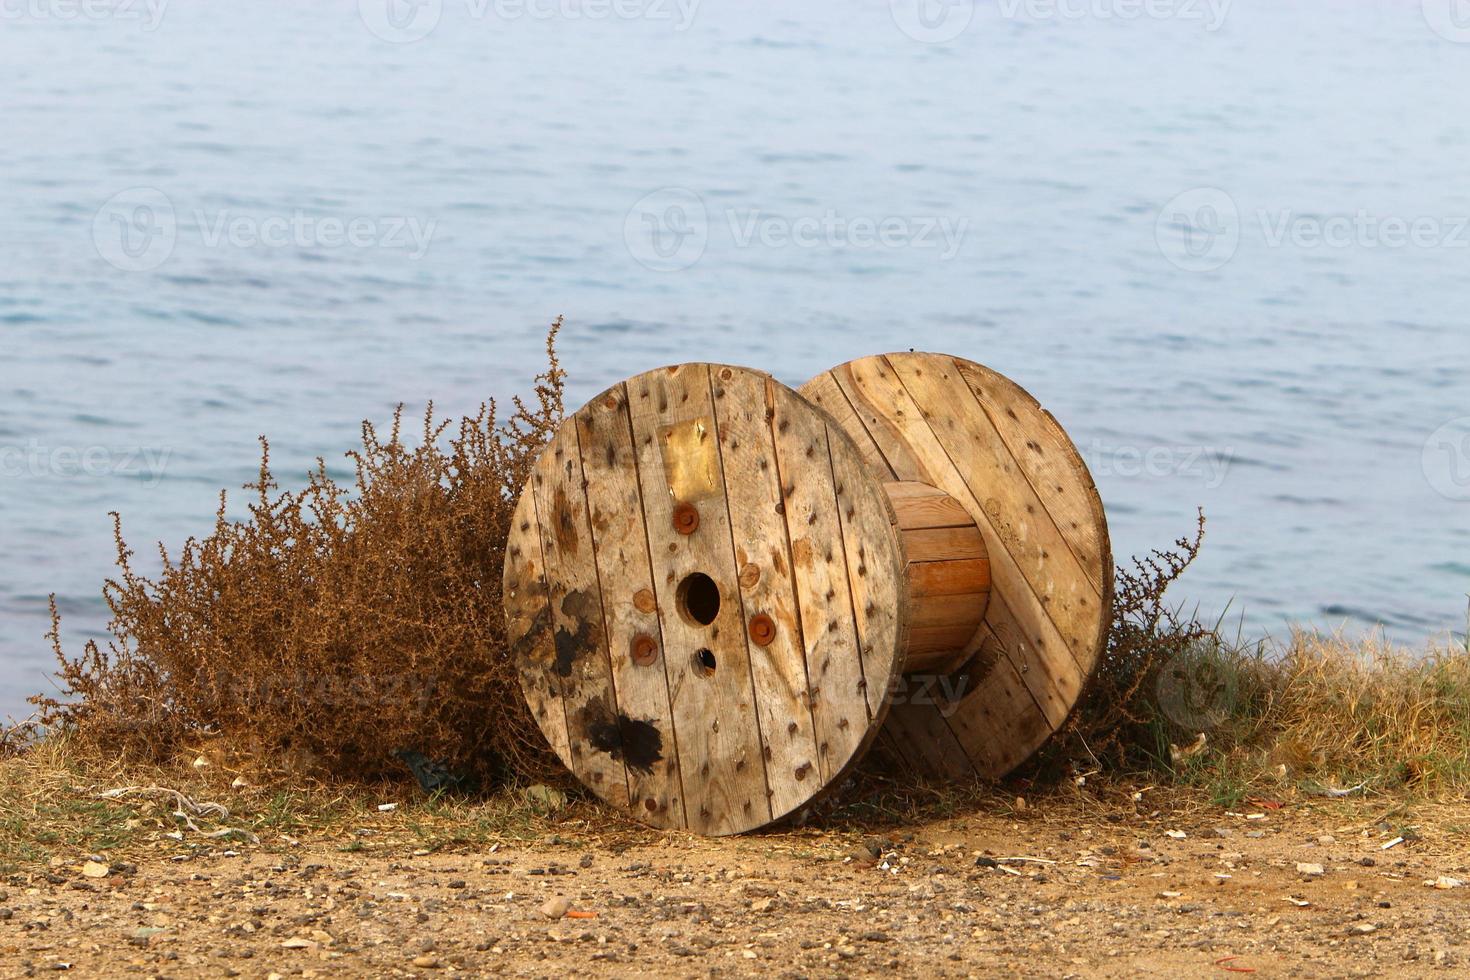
[[698, 599]]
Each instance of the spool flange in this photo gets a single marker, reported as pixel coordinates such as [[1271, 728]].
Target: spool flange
[[983, 440], [706, 598]]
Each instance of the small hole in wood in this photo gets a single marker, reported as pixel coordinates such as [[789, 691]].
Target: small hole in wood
[[704, 661], [698, 599]]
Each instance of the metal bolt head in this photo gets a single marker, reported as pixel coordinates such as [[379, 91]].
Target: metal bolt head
[[762, 630], [645, 650], [686, 518]]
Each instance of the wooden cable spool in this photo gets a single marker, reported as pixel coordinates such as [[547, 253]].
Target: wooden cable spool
[[720, 591]]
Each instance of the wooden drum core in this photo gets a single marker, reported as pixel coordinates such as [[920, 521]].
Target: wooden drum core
[[706, 597]]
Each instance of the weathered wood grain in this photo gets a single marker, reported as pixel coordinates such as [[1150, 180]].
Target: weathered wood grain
[[714, 708], [579, 633], [767, 585], [643, 722]]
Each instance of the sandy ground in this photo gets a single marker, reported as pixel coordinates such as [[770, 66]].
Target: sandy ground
[[1301, 891]]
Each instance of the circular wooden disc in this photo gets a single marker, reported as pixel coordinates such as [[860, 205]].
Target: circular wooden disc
[[706, 598], [983, 440]]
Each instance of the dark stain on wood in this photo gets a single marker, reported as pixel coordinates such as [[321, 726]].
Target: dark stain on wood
[[564, 523], [637, 743], [583, 610]]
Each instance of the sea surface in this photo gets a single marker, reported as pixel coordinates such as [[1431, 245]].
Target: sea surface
[[1225, 243]]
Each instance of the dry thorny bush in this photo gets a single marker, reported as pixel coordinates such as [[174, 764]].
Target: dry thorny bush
[[337, 623]]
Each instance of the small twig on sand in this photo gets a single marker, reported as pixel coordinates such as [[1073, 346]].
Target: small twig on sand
[[181, 801]]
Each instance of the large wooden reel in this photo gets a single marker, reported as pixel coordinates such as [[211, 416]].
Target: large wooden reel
[[705, 592], [720, 593], [978, 436]]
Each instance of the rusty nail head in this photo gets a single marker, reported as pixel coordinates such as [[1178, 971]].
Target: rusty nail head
[[686, 518], [762, 630], [645, 650]]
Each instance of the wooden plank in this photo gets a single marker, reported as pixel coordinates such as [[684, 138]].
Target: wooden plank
[[880, 596], [1051, 463], [528, 624], [838, 689], [943, 543], [959, 577], [929, 745], [995, 722], [935, 510], [767, 585], [644, 727], [581, 660], [952, 610], [824, 392], [873, 383], [929, 639], [1016, 516], [714, 710]]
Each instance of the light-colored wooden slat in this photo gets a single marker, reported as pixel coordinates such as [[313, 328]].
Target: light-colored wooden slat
[[871, 380], [1014, 512], [824, 392], [714, 711], [880, 596], [951, 610], [929, 639], [1050, 461], [767, 585], [930, 511], [1055, 684], [620, 546], [528, 624], [909, 490], [996, 723], [959, 577], [942, 543], [579, 638], [838, 690]]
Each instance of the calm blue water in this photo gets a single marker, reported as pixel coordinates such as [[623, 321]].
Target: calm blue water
[[775, 184]]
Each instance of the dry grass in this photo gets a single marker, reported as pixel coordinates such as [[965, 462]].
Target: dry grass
[[336, 623]]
